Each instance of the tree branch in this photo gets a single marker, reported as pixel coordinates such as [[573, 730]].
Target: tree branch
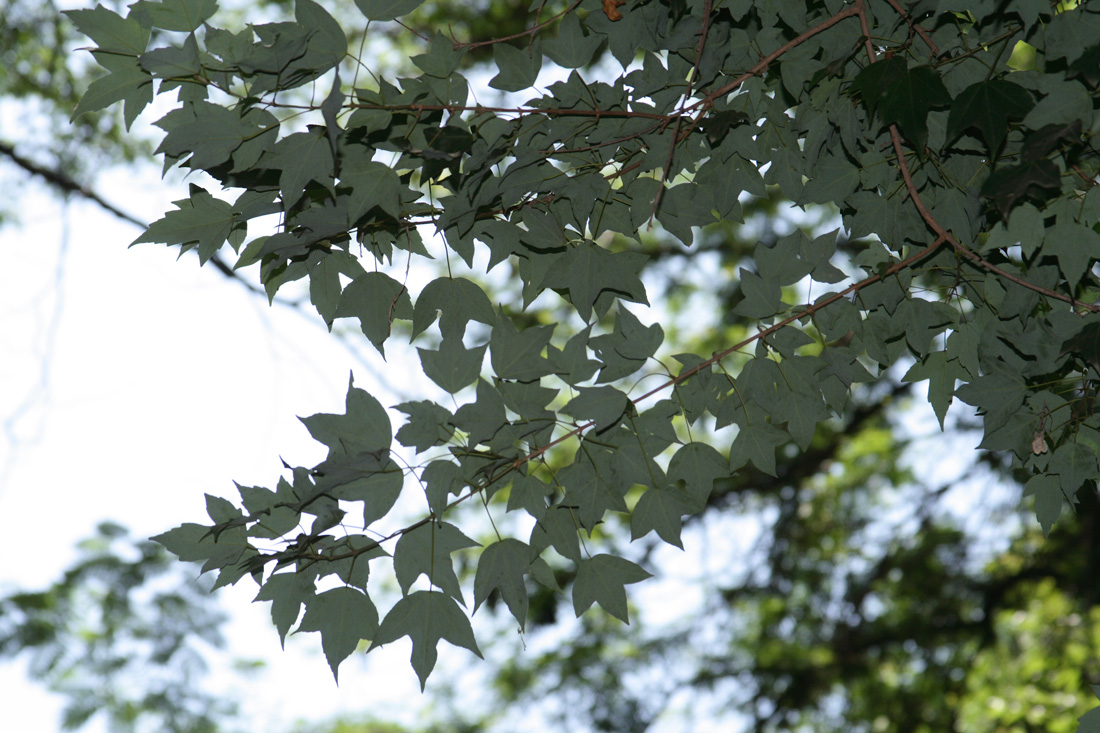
[[67, 185]]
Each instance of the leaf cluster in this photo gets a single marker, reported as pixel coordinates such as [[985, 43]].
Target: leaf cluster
[[968, 183]]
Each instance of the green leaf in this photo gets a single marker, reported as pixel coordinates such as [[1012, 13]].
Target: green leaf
[[482, 418], [201, 220], [300, 158], [1071, 32], [221, 510], [453, 366], [834, 178], [762, 297], [441, 480], [325, 287], [429, 424], [587, 271], [571, 49], [127, 82], [183, 16], [354, 570], [1009, 184], [517, 354], [941, 373], [376, 299], [994, 393], [327, 42], [364, 426], [502, 567], [1076, 246], [875, 80], [110, 31], [426, 617], [1048, 499], [898, 94], [591, 492], [660, 509], [387, 10], [756, 442], [987, 106], [603, 405], [603, 580], [571, 363], [698, 466], [529, 493], [170, 62], [344, 616], [195, 542], [1063, 103], [518, 67], [209, 133], [1085, 344], [287, 592], [558, 527], [442, 58], [626, 350], [426, 550], [1076, 464], [457, 301], [372, 184]]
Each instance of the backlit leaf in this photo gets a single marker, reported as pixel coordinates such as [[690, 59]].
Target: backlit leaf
[[426, 617]]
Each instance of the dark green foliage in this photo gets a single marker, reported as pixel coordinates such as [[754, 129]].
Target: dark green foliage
[[965, 186]]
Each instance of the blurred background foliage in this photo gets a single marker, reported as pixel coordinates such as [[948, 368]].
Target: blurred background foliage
[[887, 579]]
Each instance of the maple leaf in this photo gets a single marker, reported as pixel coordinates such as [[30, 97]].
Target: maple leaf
[[603, 580], [426, 617], [987, 106], [903, 96]]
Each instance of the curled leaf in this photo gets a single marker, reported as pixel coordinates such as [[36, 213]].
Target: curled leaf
[[611, 9]]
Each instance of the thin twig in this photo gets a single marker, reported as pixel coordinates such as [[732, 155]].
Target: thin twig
[[68, 185], [932, 47], [692, 80], [528, 32], [930, 219]]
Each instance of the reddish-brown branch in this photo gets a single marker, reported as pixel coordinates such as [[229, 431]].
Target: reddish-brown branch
[[934, 50], [683, 105], [708, 101], [934, 224], [958, 246], [519, 111]]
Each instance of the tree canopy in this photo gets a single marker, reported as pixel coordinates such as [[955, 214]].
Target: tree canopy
[[948, 152]]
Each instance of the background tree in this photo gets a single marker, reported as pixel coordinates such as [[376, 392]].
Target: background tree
[[980, 281], [121, 636]]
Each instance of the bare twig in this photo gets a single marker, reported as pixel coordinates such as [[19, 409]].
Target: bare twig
[[68, 185]]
